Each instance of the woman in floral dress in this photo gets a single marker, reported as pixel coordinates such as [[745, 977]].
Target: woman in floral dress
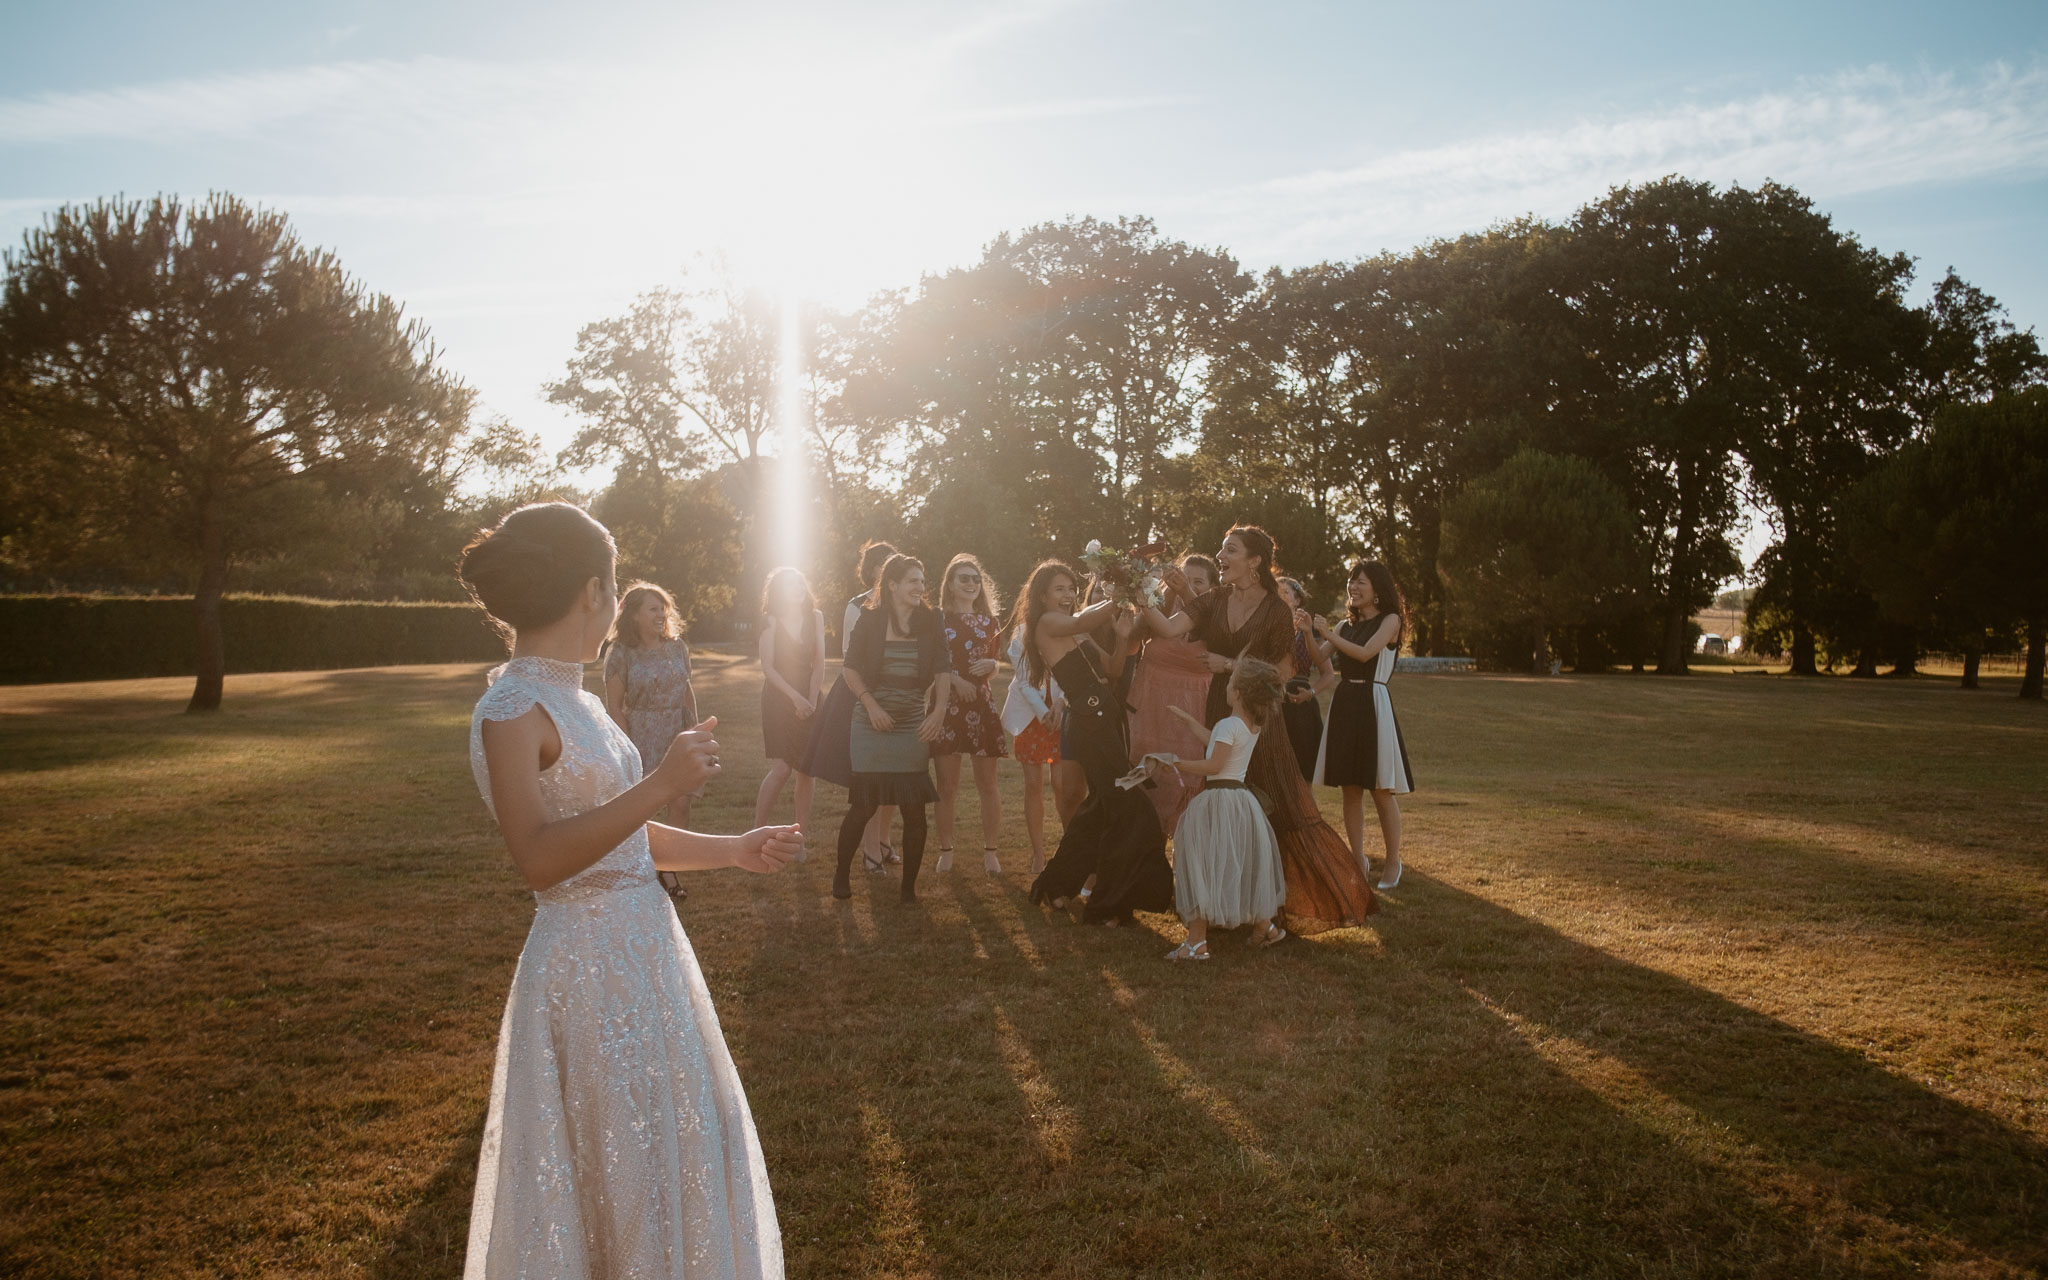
[[974, 729]]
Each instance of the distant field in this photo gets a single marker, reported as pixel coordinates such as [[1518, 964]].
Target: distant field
[[1729, 975]]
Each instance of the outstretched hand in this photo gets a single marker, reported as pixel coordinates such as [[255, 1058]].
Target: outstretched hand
[[768, 849], [691, 760], [1177, 582]]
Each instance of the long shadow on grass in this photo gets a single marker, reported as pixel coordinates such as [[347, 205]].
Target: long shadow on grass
[[1888, 1146]]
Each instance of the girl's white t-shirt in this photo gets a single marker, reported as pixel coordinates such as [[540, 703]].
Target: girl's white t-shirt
[[1238, 738]]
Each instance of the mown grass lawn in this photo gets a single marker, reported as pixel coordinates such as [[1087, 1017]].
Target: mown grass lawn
[[1728, 975]]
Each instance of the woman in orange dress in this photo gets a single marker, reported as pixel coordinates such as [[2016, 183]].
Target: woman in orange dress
[[1173, 671], [1245, 616]]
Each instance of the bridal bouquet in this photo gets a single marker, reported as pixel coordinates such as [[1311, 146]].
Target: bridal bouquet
[[1129, 575]]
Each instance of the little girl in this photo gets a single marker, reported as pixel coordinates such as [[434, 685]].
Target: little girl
[[618, 1141], [1226, 862]]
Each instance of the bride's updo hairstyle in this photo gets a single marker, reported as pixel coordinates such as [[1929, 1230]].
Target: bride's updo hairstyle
[[527, 571]]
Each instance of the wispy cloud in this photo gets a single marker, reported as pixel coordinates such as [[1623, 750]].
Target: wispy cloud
[[1853, 133]]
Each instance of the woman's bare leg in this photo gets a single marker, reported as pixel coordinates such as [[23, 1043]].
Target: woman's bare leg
[[771, 790], [806, 786], [1034, 813], [1389, 806], [949, 804], [1069, 789], [1354, 827], [991, 804]]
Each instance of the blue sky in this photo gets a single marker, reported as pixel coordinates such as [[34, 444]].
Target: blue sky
[[512, 171]]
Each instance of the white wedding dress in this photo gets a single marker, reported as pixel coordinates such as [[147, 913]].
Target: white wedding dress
[[619, 1143]]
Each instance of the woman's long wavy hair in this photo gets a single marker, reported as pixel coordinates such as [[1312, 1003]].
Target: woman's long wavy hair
[[1031, 603], [627, 631], [989, 602]]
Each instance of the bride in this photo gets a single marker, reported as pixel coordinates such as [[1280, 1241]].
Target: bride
[[619, 1142]]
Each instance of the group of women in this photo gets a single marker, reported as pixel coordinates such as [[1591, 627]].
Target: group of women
[[1097, 685], [619, 1140]]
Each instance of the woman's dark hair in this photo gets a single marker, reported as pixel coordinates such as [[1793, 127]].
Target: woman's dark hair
[[776, 580], [1259, 543], [894, 571], [626, 629], [1196, 560], [1259, 689], [1382, 580], [527, 572], [1031, 602], [874, 553]]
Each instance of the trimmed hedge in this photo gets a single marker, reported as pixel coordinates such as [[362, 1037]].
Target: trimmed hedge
[[50, 638]]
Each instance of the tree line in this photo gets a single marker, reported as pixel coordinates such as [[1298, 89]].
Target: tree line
[[1549, 430]]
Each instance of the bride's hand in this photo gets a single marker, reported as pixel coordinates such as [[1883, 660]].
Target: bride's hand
[[691, 760], [767, 849]]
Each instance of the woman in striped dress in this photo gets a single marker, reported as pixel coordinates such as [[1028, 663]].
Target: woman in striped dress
[[1362, 749]]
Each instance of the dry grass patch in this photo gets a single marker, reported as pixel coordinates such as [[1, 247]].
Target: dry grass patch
[[1729, 975]]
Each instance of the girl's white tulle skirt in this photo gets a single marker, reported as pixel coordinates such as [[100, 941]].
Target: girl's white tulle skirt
[[1226, 866]]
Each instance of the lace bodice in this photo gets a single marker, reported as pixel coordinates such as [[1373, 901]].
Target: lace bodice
[[597, 763]]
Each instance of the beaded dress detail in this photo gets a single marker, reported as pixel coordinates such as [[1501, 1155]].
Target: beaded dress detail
[[619, 1142]]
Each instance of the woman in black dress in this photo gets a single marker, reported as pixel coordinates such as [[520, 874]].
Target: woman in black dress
[[792, 683], [1362, 748], [826, 758], [1115, 835]]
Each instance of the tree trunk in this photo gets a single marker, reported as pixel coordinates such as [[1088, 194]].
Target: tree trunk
[[1971, 658], [1539, 654], [1866, 664], [1677, 608], [1906, 664], [2037, 654], [1803, 663], [209, 655]]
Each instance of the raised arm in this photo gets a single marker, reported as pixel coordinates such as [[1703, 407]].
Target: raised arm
[[548, 852], [1382, 636], [1074, 624]]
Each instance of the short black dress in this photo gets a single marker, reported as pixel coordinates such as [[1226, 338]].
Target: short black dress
[[785, 735], [1362, 744]]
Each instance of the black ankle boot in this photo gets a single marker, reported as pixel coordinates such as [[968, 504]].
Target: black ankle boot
[[842, 877]]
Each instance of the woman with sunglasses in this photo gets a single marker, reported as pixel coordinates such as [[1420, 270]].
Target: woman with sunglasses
[[968, 605]]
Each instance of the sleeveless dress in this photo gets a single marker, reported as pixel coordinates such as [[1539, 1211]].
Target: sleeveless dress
[[1304, 719], [657, 681], [618, 1142], [1226, 866], [1115, 834], [1172, 672], [786, 736], [826, 756], [972, 727], [1362, 744], [1326, 889], [892, 767]]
